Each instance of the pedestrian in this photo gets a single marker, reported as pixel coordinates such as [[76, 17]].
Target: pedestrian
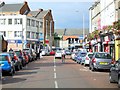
[[40, 53], [10, 50], [63, 55]]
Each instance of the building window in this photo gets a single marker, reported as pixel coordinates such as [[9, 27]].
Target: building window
[[2, 21], [37, 35], [10, 34], [41, 24], [3, 33], [28, 34], [18, 21], [33, 23], [9, 21], [28, 22], [18, 34], [37, 23]]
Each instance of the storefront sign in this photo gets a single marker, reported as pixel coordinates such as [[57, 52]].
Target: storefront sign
[[14, 41]]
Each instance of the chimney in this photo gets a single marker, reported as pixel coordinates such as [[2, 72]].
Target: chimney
[[25, 2], [50, 10], [40, 10]]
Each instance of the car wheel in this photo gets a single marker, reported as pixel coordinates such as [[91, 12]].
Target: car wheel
[[119, 81], [110, 79], [20, 66]]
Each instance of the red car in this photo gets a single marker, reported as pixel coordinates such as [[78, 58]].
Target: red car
[[52, 52]]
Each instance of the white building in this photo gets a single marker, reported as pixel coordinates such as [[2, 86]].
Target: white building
[[23, 28], [18, 28], [107, 12]]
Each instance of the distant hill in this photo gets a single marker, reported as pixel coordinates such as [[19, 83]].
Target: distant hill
[[76, 32]]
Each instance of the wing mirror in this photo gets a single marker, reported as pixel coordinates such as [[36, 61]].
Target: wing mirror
[[112, 65]]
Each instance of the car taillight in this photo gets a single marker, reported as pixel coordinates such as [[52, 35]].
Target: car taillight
[[8, 59], [113, 62], [93, 60], [87, 58], [15, 57]]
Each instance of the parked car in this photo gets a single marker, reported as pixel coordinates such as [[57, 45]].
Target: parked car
[[30, 53], [6, 63], [21, 57], [100, 60], [78, 58], [17, 61], [0, 73], [58, 54], [87, 58], [27, 57], [114, 75], [52, 52], [68, 52], [73, 55], [83, 55]]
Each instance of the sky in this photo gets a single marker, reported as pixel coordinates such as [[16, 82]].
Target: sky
[[66, 13]]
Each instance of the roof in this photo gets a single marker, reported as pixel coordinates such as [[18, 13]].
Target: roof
[[38, 14], [33, 13], [73, 32], [66, 37], [42, 14], [11, 7]]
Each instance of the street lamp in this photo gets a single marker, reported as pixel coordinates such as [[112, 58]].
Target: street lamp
[[83, 27]]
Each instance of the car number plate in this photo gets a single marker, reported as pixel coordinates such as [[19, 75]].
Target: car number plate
[[103, 63]]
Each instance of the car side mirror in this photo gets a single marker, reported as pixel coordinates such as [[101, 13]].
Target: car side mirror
[[112, 65]]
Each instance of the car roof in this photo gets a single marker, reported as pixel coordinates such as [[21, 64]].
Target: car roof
[[102, 52], [5, 53]]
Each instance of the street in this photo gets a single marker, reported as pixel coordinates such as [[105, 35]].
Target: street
[[48, 72]]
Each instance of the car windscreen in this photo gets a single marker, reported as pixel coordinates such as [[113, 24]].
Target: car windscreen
[[90, 55], [103, 55], [18, 53], [83, 54], [11, 55], [3, 58]]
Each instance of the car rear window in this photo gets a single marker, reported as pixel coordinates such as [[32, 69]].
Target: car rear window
[[90, 55], [3, 58], [83, 54], [18, 53], [103, 55], [11, 55]]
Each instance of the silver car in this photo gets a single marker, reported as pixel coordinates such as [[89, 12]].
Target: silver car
[[100, 60]]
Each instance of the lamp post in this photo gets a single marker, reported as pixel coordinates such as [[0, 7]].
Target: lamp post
[[83, 27]]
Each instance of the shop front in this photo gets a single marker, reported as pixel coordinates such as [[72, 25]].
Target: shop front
[[117, 49]]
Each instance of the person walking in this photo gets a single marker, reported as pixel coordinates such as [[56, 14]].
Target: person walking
[[63, 55]]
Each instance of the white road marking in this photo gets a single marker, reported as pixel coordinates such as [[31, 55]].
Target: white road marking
[[54, 69], [55, 75], [56, 85], [84, 70]]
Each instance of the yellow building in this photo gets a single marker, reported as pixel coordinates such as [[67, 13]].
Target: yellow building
[[117, 49]]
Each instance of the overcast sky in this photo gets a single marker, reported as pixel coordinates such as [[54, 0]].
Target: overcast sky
[[66, 13]]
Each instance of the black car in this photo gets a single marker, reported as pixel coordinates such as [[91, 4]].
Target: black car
[[114, 75]]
